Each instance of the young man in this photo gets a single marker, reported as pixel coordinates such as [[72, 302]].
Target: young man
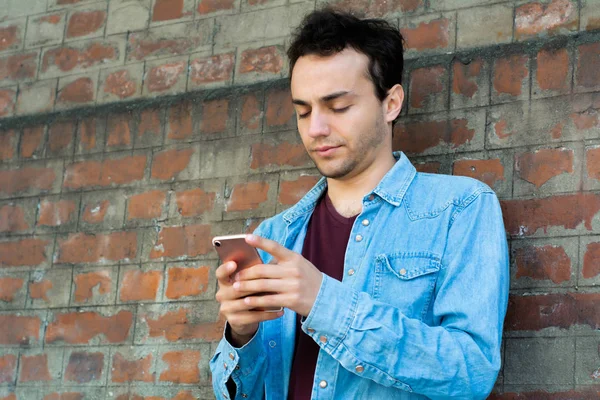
[[394, 282]]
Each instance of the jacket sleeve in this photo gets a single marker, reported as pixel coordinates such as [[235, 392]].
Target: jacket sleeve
[[457, 357], [245, 366]]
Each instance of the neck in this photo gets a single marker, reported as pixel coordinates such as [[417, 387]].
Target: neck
[[347, 194]]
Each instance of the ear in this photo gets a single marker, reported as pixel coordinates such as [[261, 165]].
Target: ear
[[392, 105]]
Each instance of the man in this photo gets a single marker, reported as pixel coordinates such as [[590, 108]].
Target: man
[[394, 282]]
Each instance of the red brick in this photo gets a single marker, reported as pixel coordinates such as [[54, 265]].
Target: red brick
[[588, 65], [7, 102], [139, 285], [487, 171], [31, 140], [216, 68], [180, 121], [131, 371], [86, 282], [580, 394], [83, 23], [8, 143], [179, 241], [39, 290], [146, 205], [150, 124], [81, 90], [19, 330], [464, 77], [34, 368], [184, 282], [540, 166], [432, 167], [121, 84], [268, 59], [18, 67], [374, 8], [165, 76], [84, 248], [81, 327], [194, 202], [142, 45], [533, 313], [251, 113], [280, 109], [425, 82], [95, 213], [592, 157], [68, 58], [183, 367], [509, 74], [8, 289], [118, 130], [543, 262], [84, 367], [591, 261], [215, 114], [11, 396], [534, 18], [56, 213], [167, 164], [428, 35], [60, 135], [104, 173], [9, 37], [525, 217], [209, 6], [23, 252], [553, 69], [87, 133], [290, 192], [418, 136], [285, 153], [175, 326], [165, 10], [8, 368], [248, 196]]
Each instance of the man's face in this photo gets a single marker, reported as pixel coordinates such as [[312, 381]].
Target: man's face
[[340, 119]]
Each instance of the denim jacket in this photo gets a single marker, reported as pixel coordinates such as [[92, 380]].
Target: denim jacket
[[419, 311]]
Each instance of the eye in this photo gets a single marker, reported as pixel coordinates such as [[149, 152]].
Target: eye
[[340, 110], [301, 116]]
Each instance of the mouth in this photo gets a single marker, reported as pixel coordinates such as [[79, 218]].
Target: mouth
[[325, 151]]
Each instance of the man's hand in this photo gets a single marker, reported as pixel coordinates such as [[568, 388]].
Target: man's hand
[[242, 321], [291, 281]]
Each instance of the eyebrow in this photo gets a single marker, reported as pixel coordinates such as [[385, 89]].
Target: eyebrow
[[324, 99]]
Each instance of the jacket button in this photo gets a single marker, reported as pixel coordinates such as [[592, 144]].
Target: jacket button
[[371, 197], [225, 365], [350, 272], [244, 395], [358, 238], [365, 222], [311, 330], [402, 271], [272, 343], [231, 356], [323, 384], [323, 339], [359, 368]]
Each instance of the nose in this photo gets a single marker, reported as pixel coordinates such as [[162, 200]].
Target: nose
[[318, 125]]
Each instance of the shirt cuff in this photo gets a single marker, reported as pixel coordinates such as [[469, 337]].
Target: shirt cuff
[[242, 359], [332, 314]]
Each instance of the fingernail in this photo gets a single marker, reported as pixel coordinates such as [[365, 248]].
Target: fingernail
[[231, 266], [251, 237], [236, 277], [236, 285], [247, 300]]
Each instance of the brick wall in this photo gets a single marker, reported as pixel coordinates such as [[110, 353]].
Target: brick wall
[[133, 131]]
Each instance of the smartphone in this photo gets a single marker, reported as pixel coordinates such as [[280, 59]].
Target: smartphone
[[235, 248]]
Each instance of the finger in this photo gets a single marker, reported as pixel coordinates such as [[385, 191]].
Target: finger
[[267, 301], [234, 306], [224, 271], [267, 271], [270, 246], [260, 285], [251, 317]]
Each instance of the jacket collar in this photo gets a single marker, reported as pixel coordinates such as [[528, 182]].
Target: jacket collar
[[391, 188]]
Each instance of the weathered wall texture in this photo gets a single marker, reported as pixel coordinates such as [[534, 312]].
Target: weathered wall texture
[[132, 131]]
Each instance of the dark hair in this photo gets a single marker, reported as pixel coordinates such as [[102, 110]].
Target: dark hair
[[326, 32]]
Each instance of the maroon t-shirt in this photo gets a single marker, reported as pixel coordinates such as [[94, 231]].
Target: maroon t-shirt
[[325, 247]]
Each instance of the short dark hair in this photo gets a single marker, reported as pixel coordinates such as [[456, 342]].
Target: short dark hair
[[326, 32]]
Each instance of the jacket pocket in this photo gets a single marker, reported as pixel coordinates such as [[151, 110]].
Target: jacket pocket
[[406, 280]]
